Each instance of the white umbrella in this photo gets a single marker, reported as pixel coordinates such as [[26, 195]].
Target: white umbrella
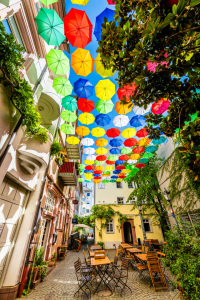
[[120, 120], [87, 142], [140, 110], [91, 157], [89, 150], [81, 225], [131, 161]]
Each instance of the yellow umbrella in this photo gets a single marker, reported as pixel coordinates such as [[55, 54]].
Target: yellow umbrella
[[80, 2], [98, 132], [86, 118], [122, 108], [89, 162], [119, 180], [101, 142], [135, 156], [109, 168], [73, 140], [99, 168], [97, 180], [128, 133], [82, 62], [126, 171], [82, 130], [88, 175], [105, 175], [144, 142], [100, 68], [105, 89], [101, 151]]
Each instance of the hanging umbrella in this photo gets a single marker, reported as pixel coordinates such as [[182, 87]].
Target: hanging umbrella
[[148, 155], [126, 92], [89, 176], [69, 103], [128, 167], [122, 108], [131, 161], [97, 172], [82, 130], [88, 181], [87, 142], [116, 142], [113, 132], [115, 151], [48, 2], [141, 110], [120, 121], [124, 157], [80, 2], [101, 157], [86, 118], [112, 2], [97, 180], [105, 89], [99, 168], [126, 150], [122, 176], [101, 142], [98, 132], [135, 156], [105, 106], [138, 121], [159, 141], [82, 62], [85, 105], [99, 162], [142, 133], [113, 180], [58, 62], [91, 157], [67, 129], [89, 167], [128, 132], [62, 86], [83, 88], [50, 26], [130, 142], [110, 162], [101, 151], [88, 171], [137, 150], [68, 116], [144, 142], [150, 149], [113, 157], [114, 177], [120, 167], [108, 14], [80, 179], [89, 162], [106, 172], [143, 160], [89, 151], [105, 181], [81, 166], [119, 179], [134, 171], [116, 171], [78, 28], [160, 107], [139, 166], [73, 140], [100, 68], [119, 162], [109, 168], [102, 120]]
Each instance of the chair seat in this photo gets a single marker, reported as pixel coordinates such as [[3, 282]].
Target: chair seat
[[87, 270], [142, 267], [85, 278]]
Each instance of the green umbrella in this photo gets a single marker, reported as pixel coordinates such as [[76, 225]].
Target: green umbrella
[[81, 166], [129, 167], [104, 106], [62, 86], [113, 157], [67, 129], [68, 116], [98, 163], [134, 171], [106, 172], [48, 2], [58, 62], [143, 160], [148, 155], [50, 26], [81, 173], [105, 181], [69, 103], [80, 179], [88, 180], [112, 180], [126, 150]]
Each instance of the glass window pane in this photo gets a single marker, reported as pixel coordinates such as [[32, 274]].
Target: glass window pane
[[6, 26], [16, 32]]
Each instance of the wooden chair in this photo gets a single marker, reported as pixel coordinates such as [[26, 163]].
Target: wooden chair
[[120, 277], [83, 279], [87, 260], [146, 249]]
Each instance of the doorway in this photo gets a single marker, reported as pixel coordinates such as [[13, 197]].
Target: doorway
[[128, 238]]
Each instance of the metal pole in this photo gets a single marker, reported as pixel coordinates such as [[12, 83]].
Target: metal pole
[[142, 223]]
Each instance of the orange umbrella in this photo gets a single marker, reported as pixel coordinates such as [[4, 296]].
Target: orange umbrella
[[82, 62], [122, 108], [101, 142], [135, 156], [144, 142], [99, 168], [97, 180]]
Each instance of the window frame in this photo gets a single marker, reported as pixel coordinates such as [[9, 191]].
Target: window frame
[[150, 225], [46, 202], [15, 29], [103, 186], [130, 187], [120, 198], [111, 222], [121, 185]]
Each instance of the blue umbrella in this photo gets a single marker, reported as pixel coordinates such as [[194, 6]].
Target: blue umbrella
[[114, 177], [88, 171], [150, 149], [116, 142], [138, 121], [143, 160], [116, 171], [119, 162], [97, 175], [108, 14], [159, 141], [83, 88], [102, 120], [115, 151]]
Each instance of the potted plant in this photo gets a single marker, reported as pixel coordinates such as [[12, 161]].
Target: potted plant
[[101, 244], [52, 262], [40, 263]]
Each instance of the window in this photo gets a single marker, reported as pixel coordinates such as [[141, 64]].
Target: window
[[119, 185], [110, 227], [120, 200], [49, 203], [87, 211], [130, 185], [132, 201], [101, 185], [88, 194], [147, 225], [11, 26]]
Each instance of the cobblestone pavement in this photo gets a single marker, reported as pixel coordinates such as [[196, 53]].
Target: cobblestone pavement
[[61, 284]]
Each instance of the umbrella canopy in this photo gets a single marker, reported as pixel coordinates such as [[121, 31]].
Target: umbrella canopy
[[112, 180], [116, 142], [89, 167], [85, 105], [124, 157], [98, 132], [101, 142], [135, 156], [73, 140], [100, 68], [120, 168], [105, 89], [126, 92], [50, 26], [99, 168], [104, 107], [68, 116], [67, 129], [48, 2], [142, 133], [87, 142], [86, 118], [88, 175], [150, 149], [82, 62], [109, 168], [62, 86], [88, 171], [111, 2], [138, 150], [139, 166], [159, 141], [110, 162], [116, 171], [83, 88], [120, 121], [119, 179], [106, 172], [122, 108], [97, 172], [81, 166], [101, 157], [108, 14], [114, 177], [160, 107], [69, 103], [78, 28], [131, 161], [144, 142], [99, 162], [101, 151], [128, 132], [58, 62], [113, 132], [138, 121], [80, 179], [91, 157], [97, 180], [82, 130], [89, 162], [115, 151], [102, 120], [88, 180], [89, 151], [143, 160], [126, 150], [119, 162], [80, 2], [130, 142], [148, 155], [105, 181], [113, 157], [141, 110]]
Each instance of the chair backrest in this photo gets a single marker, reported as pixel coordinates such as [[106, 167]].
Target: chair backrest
[[125, 263], [77, 265], [99, 251], [115, 260]]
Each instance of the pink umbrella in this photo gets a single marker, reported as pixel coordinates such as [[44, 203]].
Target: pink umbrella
[[160, 107], [111, 2], [152, 66]]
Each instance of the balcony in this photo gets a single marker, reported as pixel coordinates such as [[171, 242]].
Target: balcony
[[74, 151], [68, 174]]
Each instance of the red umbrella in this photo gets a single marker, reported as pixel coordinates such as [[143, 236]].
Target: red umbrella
[[101, 157], [140, 166], [142, 133], [112, 2], [124, 157], [120, 168], [98, 172], [85, 105], [138, 150], [97, 177], [160, 107], [89, 167], [78, 28], [127, 91], [109, 162], [113, 132], [122, 176], [130, 142]]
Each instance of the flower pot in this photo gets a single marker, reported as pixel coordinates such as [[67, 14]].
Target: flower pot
[[51, 263], [35, 273]]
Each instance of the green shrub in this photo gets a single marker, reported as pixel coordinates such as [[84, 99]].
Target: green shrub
[[55, 148]]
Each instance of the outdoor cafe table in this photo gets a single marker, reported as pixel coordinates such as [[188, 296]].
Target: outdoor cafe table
[[102, 272], [95, 248], [134, 250], [142, 257], [91, 253], [125, 246]]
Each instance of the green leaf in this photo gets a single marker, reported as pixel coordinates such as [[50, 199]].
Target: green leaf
[[195, 2]]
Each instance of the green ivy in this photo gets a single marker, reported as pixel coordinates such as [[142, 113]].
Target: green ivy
[[55, 148]]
